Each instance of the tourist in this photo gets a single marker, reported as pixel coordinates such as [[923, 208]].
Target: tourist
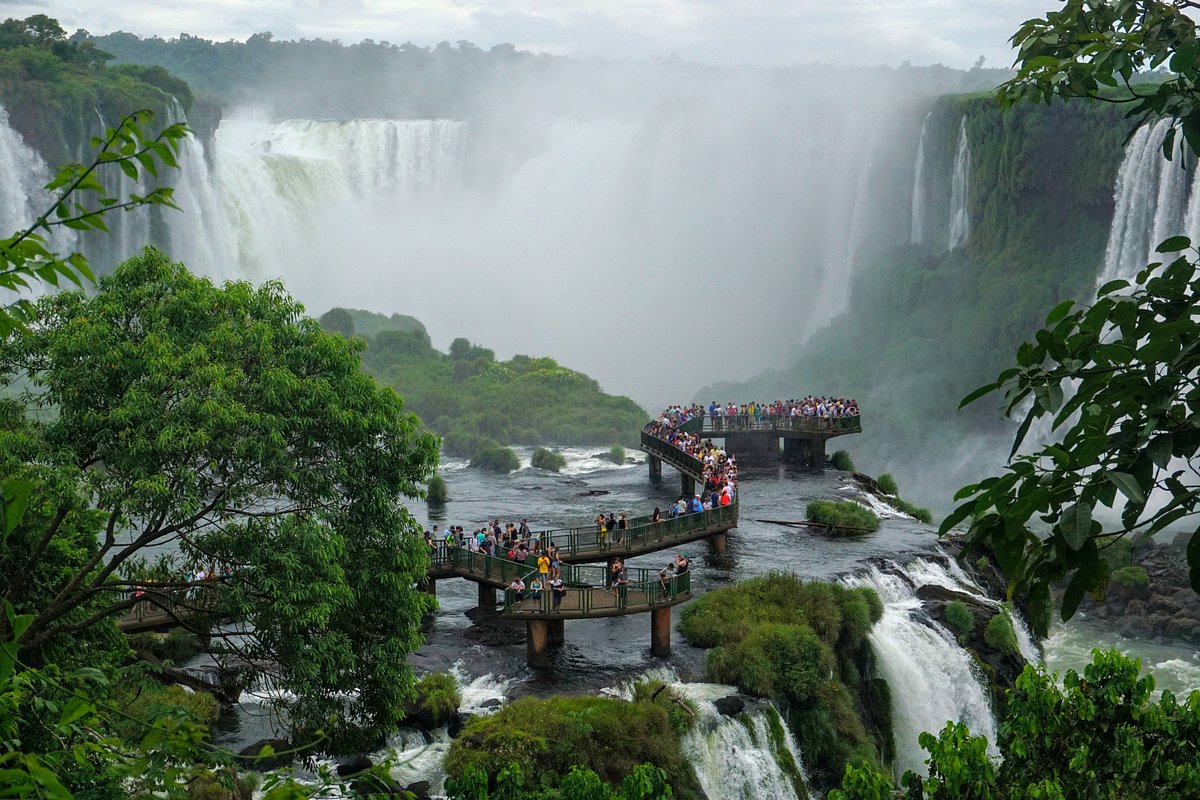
[[518, 587], [665, 576], [543, 564], [558, 590], [535, 588], [622, 526]]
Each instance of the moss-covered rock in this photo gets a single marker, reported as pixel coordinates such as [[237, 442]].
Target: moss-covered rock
[[842, 517]]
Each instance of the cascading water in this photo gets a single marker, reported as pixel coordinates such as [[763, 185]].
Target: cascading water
[[917, 228], [1153, 199], [932, 679], [960, 218]]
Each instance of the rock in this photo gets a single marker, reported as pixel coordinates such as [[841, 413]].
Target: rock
[[594, 493], [354, 765], [1136, 608], [731, 705], [494, 702], [456, 724], [376, 786], [420, 790], [271, 762]]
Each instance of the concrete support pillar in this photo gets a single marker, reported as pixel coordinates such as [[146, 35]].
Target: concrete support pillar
[[556, 632], [536, 643], [660, 632], [716, 544], [655, 464], [798, 451], [818, 452], [487, 596], [688, 486]]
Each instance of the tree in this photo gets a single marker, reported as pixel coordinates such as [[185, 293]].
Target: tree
[[1119, 380], [224, 423]]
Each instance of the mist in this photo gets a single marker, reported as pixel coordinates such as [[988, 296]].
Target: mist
[[656, 225]]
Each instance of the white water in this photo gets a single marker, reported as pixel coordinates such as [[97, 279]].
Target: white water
[[960, 218], [917, 228], [1154, 200], [932, 679]]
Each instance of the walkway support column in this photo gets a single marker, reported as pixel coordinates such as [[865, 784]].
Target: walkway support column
[[688, 487], [556, 632], [655, 464], [536, 643], [716, 544], [487, 596], [660, 632], [818, 452]]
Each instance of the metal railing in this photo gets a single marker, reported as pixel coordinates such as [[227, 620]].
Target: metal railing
[[680, 459], [785, 423], [586, 593]]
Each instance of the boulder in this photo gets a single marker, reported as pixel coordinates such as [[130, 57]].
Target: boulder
[[731, 705], [271, 762], [419, 790], [354, 765], [456, 724], [377, 786], [493, 702]]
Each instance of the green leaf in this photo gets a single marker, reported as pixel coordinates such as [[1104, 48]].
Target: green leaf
[[1059, 312], [1075, 524], [1128, 485], [1193, 559], [1160, 448], [978, 393]]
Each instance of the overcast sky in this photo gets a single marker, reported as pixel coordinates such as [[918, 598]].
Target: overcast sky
[[951, 32]]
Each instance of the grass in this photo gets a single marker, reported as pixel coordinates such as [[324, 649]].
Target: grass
[[1132, 577], [548, 460], [887, 484], [1000, 635], [495, 458], [842, 517], [438, 697], [147, 701], [547, 737], [617, 454], [960, 619], [438, 491], [841, 460]]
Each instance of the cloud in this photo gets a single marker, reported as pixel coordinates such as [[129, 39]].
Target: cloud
[[953, 32]]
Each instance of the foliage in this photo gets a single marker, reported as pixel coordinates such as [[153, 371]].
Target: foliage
[[960, 619], [551, 736], [919, 513], [841, 460], [617, 454], [437, 697], [888, 485], [646, 782], [181, 409], [1117, 378], [1000, 634], [496, 458], [1100, 735], [144, 701], [1131, 577], [797, 643], [176, 646], [842, 517], [547, 460], [339, 321], [681, 710], [438, 491]]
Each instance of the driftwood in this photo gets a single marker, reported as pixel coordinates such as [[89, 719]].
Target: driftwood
[[806, 523], [226, 695]]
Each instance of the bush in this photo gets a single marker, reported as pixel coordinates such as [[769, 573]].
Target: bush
[[496, 458], [177, 646], [145, 701], [1000, 635], [551, 736], [887, 484], [438, 491], [841, 460], [437, 701], [842, 517], [1132, 577], [617, 454], [681, 710], [960, 619], [920, 513], [548, 460]]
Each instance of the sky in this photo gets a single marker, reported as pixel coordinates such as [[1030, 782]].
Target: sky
[[951, 32]]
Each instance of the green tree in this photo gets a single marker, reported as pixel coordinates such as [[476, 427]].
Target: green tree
[[224, 423], [1119, 380]]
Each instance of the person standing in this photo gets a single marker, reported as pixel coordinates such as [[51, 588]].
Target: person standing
[[558, 590]]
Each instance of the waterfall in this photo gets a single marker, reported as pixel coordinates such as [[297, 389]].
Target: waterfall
[[960, 219], [1153, 201], [932, 679], [917, 229], [740, 757]]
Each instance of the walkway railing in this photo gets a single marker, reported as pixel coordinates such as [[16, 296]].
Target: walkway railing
[[585, 593], [681, 460], [783, 423]]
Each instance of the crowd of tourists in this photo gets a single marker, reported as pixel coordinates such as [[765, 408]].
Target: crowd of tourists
[[733, 414]]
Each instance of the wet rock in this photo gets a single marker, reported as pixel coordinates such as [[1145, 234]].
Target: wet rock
[[354, 765], [494, 702], [419, 790], [271, 762], [594, 493], [731, 705], [457, 723], [377, 785]]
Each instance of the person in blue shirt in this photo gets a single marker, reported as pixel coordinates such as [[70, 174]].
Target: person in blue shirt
[[697, 506]]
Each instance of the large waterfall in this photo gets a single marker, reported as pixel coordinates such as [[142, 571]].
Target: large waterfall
[[1154, 199], [960, 185], [917, 227]]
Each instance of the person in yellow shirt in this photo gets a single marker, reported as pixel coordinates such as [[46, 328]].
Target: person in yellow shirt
[[544, 567]]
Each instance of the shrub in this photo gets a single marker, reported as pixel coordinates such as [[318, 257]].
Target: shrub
[[438, 698], [438, 491], [841, 460], [549, 737], [681, 710], [912, 510], [177, 646], [548, 460], [1000, 635], [145, 701], [842, 517], [1132, 577], [617, 454], [493, 457], [887, 484], [960, 619]]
